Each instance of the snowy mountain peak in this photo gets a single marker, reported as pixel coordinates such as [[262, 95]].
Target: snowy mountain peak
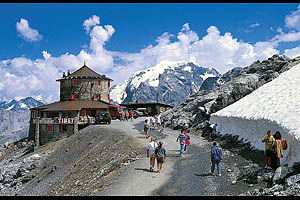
[[167, 82], [23, 104]]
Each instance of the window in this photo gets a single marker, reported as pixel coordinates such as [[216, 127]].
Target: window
[[108, 84], [99, 82], [50, 128], [63, 128], [93, 83], [63, 83], [73, 82]]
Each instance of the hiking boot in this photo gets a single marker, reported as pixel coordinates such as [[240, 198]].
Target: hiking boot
[[151, 169]]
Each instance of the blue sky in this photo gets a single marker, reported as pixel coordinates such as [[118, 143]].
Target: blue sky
[[136, 24], [37, 38]]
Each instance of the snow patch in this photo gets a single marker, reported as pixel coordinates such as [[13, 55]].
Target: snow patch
[[207, 75], [187, 68], [274, 106]]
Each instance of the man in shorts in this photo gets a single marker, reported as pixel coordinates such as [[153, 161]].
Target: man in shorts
[[151, 152]]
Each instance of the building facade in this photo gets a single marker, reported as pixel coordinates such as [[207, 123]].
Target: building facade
[[83, 94], [152, 108]]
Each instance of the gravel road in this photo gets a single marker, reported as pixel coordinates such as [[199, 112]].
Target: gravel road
[[110, 160]]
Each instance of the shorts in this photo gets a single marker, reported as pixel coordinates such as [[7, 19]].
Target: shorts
[[160, 160], [151, 154], [146, 129]]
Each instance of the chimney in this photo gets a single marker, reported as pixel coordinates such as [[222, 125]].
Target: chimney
[[69, 72], [64, 75]]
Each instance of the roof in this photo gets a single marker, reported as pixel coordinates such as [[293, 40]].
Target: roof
[[72, 105], [146, 104], [84, 72]]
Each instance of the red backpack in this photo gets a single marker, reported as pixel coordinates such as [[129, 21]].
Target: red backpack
[[284, 144]]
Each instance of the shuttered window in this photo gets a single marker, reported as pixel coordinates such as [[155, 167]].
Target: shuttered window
[[50, 128]]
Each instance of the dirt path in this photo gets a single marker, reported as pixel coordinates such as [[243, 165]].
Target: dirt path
[[136, 179], [181, 176], [88, 164]]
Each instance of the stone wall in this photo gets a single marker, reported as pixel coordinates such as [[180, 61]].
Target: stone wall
[[86, 89], [56, 133]]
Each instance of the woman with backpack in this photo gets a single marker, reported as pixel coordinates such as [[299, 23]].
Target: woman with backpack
[[187, 140], [160, 154], [277, 151]]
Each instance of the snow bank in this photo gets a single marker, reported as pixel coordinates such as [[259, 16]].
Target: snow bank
[[274, 106]]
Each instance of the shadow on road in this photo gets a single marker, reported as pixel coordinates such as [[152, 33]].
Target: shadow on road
[[204, 174], [144, 169]]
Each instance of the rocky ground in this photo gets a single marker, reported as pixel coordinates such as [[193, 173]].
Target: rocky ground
[[246, 165], [94, 160], [78, 165]]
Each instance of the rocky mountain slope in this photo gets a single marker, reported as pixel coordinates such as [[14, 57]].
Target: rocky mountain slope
[[15, 117], [230, 87], [167, 82]]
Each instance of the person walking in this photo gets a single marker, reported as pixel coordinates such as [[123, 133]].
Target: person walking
[[131, 115], [216, 157], [277, 151], [151, 152], [160, 154], [158, 121], [181, 137], [146, 128], [268, 140], [187, 140]]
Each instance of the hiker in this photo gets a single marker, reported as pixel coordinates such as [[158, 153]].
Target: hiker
[[277, 151], [131, 115], [162, 122], [151, 152], [181, 137], [146, 128], [268, 139], [158, 121], [160, 154], [213, 132], [152, 122], [187, 140], [126, 115], [216, 157]]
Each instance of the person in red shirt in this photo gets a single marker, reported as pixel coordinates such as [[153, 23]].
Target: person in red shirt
[[187, 140]]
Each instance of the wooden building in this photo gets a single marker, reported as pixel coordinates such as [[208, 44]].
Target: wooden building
[[83, 94], [152, 108]]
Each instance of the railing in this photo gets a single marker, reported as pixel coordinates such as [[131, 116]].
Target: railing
[[56, 120]]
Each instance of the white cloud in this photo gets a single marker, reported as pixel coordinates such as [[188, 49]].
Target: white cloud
[[26, 32], [92, 21], [293, 20], [254, 25], [24, 77], [214, 49]]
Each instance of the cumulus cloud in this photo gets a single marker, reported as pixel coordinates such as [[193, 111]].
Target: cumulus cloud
[[26, 32], [92, 21], [21, 77], [212, 50], [293, 19]]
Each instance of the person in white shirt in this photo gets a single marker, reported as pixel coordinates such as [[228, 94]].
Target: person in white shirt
[[151, 152], [158, 121]]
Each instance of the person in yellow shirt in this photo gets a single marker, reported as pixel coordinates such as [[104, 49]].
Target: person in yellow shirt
[[268, 140]]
